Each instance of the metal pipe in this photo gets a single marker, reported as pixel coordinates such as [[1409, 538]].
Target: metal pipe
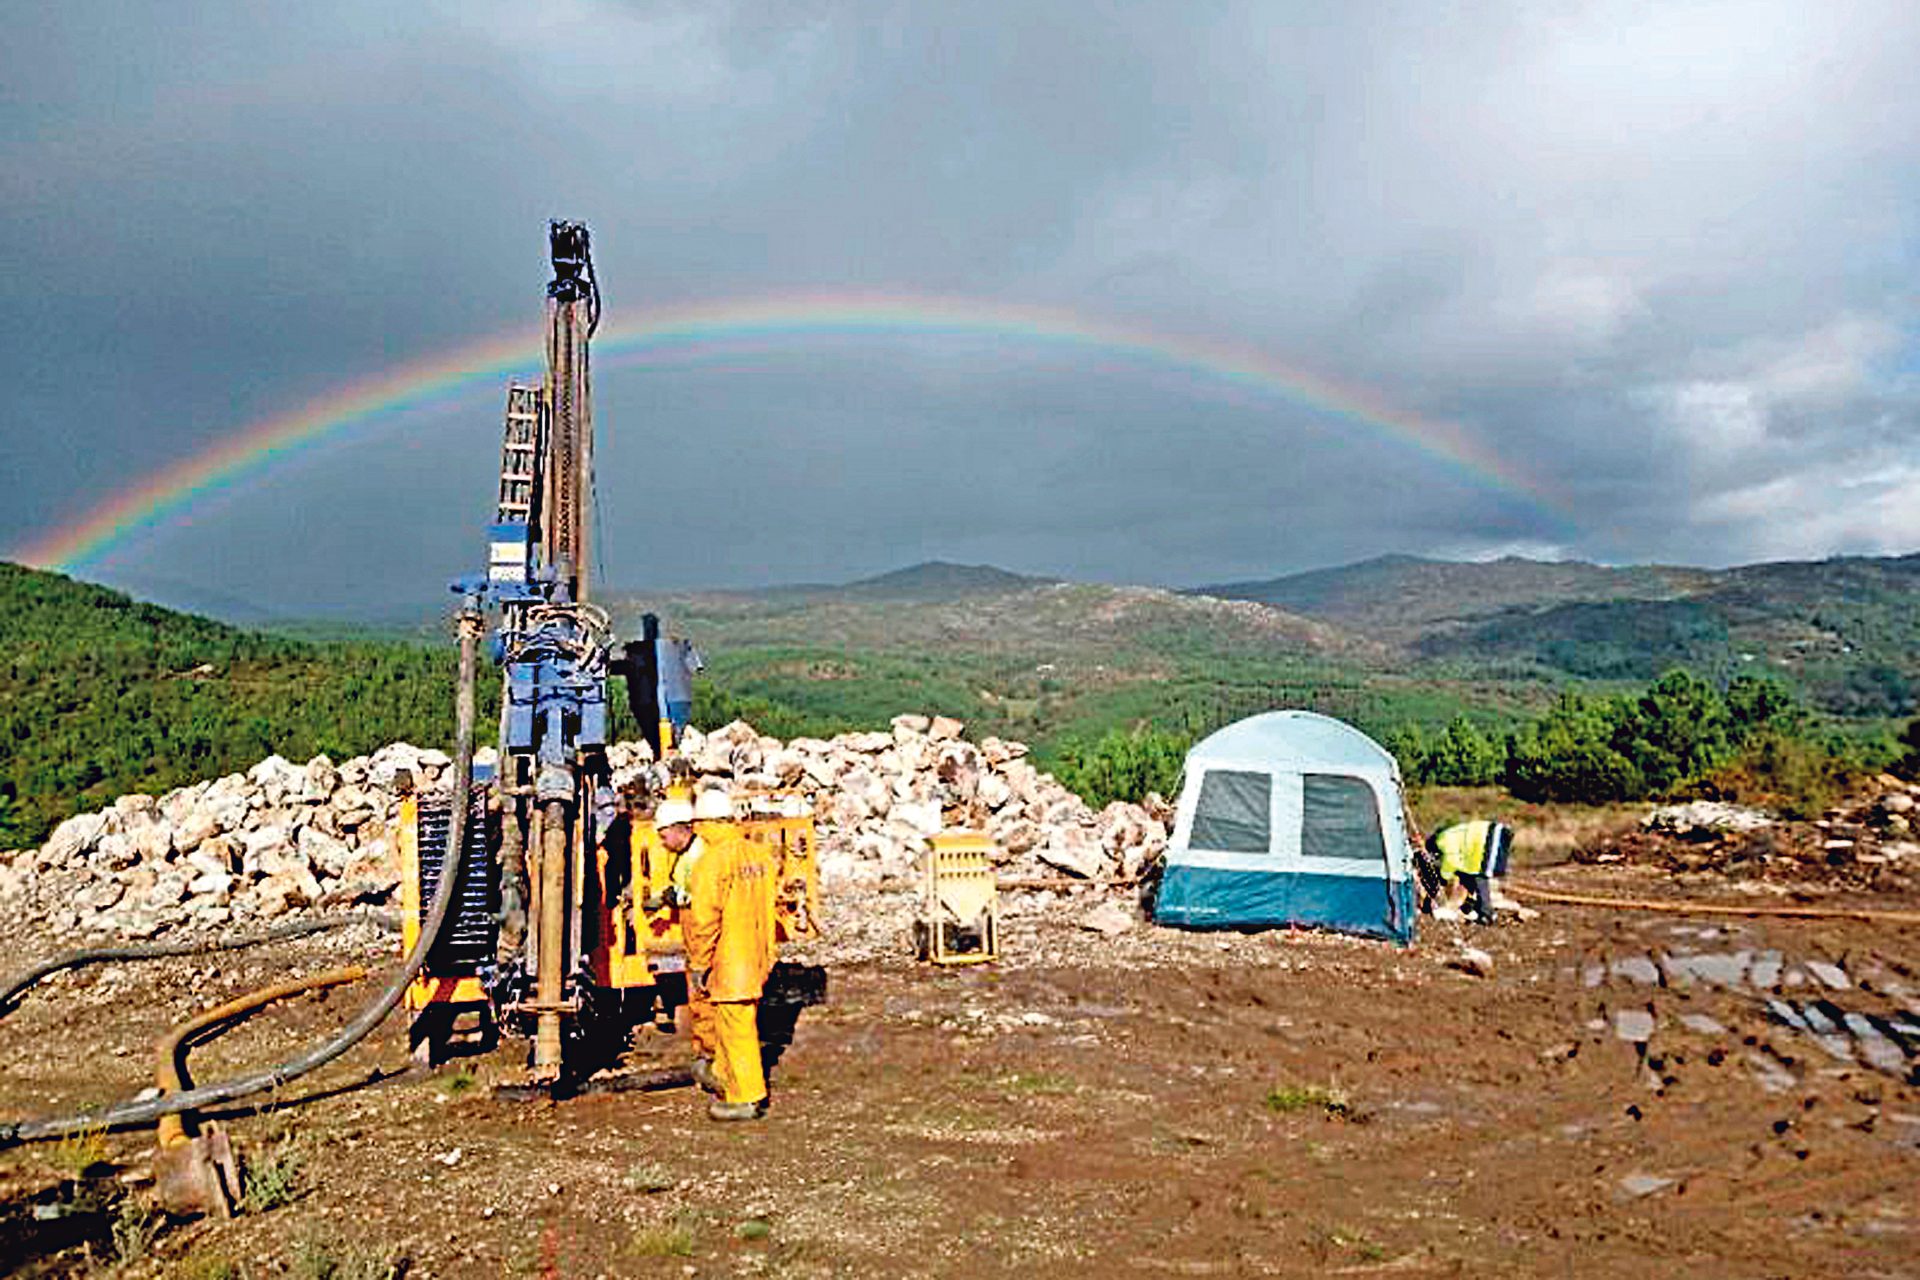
[[550, 977], [134, 1113], [513, 878]]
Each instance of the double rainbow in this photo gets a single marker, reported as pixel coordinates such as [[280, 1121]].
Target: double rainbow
[[719, 330]]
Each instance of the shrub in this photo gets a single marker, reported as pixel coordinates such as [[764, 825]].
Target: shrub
[[1462, 756], [1122, 765], [1568, 755], [134, 1229], [273, 1180], [1792, 776], [1285, 1098]]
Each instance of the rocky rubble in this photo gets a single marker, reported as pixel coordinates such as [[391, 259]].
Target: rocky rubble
[[1866, 843], [285, 838]]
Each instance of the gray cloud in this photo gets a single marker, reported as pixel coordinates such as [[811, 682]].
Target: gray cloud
[[1659, 257]]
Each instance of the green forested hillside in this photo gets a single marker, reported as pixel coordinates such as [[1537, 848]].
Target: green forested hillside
[[1844, 632], [101, 695], [1399, 598]]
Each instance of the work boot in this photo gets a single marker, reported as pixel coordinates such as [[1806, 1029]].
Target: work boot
[[720, 1109], [704, 1077]]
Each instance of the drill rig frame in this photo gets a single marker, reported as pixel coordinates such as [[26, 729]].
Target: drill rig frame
[[551, 930]]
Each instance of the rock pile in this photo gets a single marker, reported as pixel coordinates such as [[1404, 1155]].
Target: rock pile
[[879, 797], [285, 838], [251, 846]]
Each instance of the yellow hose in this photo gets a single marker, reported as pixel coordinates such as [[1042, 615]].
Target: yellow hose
[[1713, 908], [170, 1051]]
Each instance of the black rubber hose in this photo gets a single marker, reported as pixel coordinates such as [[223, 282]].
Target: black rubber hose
[[123, 1114], [19, 983]]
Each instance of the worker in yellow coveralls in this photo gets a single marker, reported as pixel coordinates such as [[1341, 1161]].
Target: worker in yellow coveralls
[[729, 932], [674, 821], [713, 824]]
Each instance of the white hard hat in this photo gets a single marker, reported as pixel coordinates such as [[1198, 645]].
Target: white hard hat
[[671, 811], [712, 806]]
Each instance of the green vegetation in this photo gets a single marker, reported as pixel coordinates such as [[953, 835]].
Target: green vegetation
[[651, 1178], [662, 1240], [78, 1153], [100, 696], [460, 1081], [1680, 735], [211, 1266], [1122, 765], [1287, 1098], [1555, 681], [273, 1179], [322, 1256], [135, 1227]]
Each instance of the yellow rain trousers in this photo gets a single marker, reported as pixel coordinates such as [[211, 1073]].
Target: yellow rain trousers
[[699, 1005], [737, 1057], [729, 933], [700, 1023]]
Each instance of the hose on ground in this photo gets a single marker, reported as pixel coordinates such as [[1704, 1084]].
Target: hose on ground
[[1673, 907], [124, 1114], [13, 987]]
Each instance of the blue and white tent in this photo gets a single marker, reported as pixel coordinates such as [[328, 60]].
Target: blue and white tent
[[1290, 818]]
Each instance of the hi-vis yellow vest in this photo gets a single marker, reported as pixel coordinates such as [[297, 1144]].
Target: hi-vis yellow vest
[[1463, 848]]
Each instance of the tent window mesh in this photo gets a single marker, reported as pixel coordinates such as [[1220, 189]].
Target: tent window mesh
[[1234, 812], [1339, 818]]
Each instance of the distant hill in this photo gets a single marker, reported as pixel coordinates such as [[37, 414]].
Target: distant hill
[[1400, 598], [929, 581], [1023, 656], [941, 580], [1845, 630], [100, 695]]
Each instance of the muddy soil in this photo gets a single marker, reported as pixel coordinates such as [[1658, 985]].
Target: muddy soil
[[1624, 1096]]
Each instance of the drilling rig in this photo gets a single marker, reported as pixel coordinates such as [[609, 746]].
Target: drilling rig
[[557, 927]]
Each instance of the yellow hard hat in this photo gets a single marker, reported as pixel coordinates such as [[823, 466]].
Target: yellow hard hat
[[672, 811], [712, 806]]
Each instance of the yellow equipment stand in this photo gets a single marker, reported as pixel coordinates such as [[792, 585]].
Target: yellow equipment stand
[[962, 896]]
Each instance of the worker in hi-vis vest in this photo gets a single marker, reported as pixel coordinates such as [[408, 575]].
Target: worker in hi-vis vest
[[729, 930], [1472, 855]]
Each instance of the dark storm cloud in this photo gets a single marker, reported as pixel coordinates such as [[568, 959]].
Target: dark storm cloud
[[1660, 257]]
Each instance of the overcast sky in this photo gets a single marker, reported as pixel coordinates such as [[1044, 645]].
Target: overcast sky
[[1658, 256]]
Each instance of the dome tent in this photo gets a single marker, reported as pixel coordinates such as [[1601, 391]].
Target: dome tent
[[1290, 818]]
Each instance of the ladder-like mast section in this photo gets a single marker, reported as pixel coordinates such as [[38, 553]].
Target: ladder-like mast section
[[520, 448]]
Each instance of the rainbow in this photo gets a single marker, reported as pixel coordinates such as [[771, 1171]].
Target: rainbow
[[693, 334]]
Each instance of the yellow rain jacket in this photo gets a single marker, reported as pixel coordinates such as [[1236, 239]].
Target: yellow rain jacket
[[1463, 848], [728, 926]]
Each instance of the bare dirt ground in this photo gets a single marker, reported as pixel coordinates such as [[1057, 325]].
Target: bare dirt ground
[[1625, 1095]]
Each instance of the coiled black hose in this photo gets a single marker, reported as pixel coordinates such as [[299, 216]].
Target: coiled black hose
[[124, 1114]]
